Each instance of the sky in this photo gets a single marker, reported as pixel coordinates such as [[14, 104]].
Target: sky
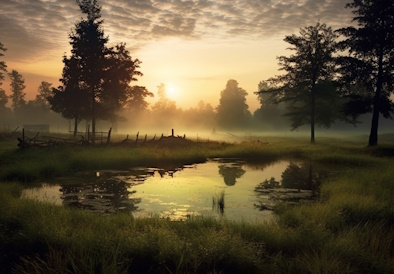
[[192, 46]]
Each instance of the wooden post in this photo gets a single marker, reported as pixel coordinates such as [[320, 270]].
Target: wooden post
[[109, 135], [172, 132]]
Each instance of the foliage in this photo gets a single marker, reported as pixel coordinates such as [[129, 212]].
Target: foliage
[[367, 72], [308, 81], [3, 68], [232, 111], [95, 76], [121, 70], [44, 91], [136, 101], [17, 88]]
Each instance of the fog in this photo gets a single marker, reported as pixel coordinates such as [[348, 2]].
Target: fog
[[196, 123]]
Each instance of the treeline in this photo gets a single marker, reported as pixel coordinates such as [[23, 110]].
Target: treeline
[[330, 76]]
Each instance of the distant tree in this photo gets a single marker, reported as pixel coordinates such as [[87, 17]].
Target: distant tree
[[164, 104], [3, 99], [44, 91], [269, 115], [3, 66], [3, 69], [232, 111], [17, 87], [368, 70], [164, 111], [307, 87], [136, 99]]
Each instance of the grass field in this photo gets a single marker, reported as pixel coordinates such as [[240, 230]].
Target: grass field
[[349, 230]]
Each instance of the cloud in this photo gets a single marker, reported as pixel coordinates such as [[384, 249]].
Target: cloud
[[33, 29]]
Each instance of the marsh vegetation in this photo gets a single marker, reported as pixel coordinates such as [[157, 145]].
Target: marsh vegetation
[[347, 229]]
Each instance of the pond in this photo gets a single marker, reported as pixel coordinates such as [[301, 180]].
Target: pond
[[230, 188]]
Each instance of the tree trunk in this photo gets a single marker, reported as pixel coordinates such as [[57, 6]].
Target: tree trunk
[[313, 102], [373, 137], [93, 118], [75, 126]]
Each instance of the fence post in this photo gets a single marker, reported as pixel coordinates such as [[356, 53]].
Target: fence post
[[109, 135]]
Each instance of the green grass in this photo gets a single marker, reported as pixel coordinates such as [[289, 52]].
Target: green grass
[[350, 229]]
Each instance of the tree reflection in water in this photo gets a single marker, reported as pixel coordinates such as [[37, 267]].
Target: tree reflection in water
[[102, 194], [231, 172], [298, 183]]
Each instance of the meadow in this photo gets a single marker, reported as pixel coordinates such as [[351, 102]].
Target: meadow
[[350, 229]]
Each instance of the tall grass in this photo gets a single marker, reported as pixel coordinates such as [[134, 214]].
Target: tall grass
[[349, 230]]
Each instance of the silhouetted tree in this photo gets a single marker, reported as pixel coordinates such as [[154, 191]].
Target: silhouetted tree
[[269, 115], [136, 99], [232, 110], [367, 73], [308, 78], [17, 87], [3, 69], [91, 54], [3, 99], [99, 76], [71, 99], [116, 89], [44, 91]]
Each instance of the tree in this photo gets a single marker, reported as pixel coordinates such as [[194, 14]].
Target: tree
[[136, 99], [17, 86], [95, 75], [232, 111], [3, 69], [368, 70], [163, 105], [44, 91], [309, 78], [89, 55], [269, 115], [3, 99], [116, 89], [71, 99]]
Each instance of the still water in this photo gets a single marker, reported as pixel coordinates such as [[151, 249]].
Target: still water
[[249, 191]]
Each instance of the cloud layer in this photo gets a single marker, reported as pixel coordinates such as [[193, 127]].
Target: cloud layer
[[36, 29]]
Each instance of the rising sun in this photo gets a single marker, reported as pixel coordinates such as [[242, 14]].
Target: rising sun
[[171, 92]]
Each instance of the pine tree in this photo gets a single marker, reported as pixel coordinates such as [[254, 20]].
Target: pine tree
[[17, 87]]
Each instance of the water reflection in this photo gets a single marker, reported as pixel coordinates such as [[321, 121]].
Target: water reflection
[[102, 194], [231, 172], [179, 192], [299, 183]]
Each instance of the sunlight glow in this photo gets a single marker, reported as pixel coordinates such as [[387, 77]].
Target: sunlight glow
[[171, 92]]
